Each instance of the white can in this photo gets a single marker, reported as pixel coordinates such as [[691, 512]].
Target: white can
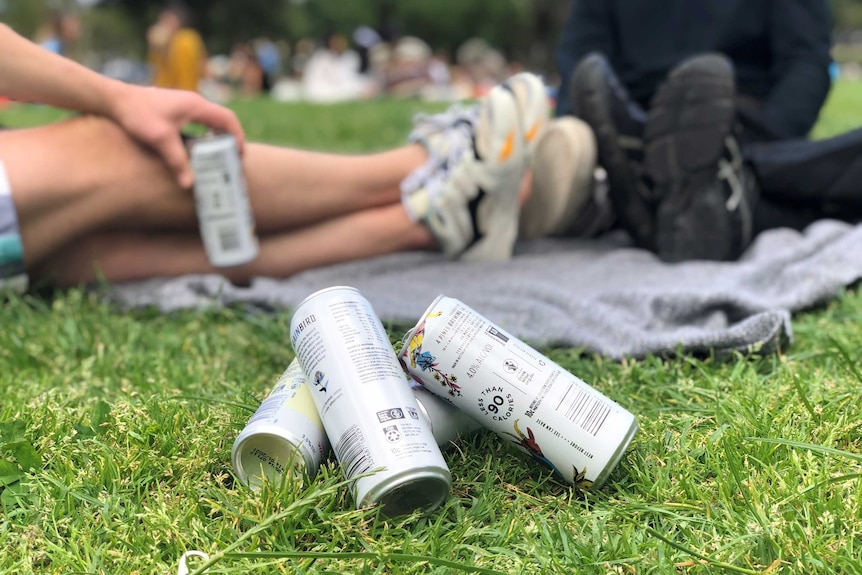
[[512, 389], [224, 214], [284, 436], [447, 421], [366, 405]]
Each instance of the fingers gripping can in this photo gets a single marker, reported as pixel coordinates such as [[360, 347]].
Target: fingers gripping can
[[284, 435], [366, 405], [517, 392], [224, 214]]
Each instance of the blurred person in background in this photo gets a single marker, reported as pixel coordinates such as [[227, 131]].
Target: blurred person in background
[[245, 74], [407, 71], [269, 59], [60, 33], [332, 73], [177, 53]]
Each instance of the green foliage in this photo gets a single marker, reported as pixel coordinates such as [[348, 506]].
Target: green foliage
[[25, 16], [847, 14]]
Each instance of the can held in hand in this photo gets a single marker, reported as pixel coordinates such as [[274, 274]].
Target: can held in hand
[[366, 405], [224, 214], [284, 436], [514, 390]]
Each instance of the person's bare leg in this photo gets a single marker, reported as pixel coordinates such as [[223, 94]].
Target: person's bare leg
[[290, 188], [124, 256], [84, 174]]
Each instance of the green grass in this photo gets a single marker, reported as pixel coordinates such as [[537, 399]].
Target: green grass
[[115, 434]]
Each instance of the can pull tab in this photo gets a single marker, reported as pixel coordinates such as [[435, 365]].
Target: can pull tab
[[184, 568]]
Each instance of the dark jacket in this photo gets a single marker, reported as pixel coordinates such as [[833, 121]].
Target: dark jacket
[[780, 49]]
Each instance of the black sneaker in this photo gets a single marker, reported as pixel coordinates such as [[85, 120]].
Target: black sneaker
[[706, 193], [618, 122]]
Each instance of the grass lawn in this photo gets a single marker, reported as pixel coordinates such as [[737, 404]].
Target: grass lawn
[[116, 428]]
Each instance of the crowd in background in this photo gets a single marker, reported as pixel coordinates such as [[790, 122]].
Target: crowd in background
[[337, 68]]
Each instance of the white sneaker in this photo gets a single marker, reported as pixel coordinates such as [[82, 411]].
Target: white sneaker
[[533, 109], [468, 198], [433, 131], [563, 165]]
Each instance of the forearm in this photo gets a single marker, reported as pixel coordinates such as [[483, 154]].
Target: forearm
[[30, 73]]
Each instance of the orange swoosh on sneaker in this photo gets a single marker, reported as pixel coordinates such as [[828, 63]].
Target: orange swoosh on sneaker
[[533, 131], [508, 147]]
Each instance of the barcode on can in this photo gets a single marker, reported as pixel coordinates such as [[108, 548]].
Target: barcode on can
[[228, 236], [584, 409], [353, 454]]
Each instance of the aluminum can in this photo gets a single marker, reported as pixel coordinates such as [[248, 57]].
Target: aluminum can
[[514, 390], [383, 444], [284, 436], [447, 422], [224, 214]]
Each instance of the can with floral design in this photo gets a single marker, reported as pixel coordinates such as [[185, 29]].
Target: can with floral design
[[383, 444], [514, 390], [447, 421], [284, 436]]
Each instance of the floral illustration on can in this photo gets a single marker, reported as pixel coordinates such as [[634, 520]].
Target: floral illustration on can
[[320, 382], [427, 362], [529, 444]]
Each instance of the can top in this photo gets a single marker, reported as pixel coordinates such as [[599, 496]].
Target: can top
[[412, 331], [326, 290], [213, 137]]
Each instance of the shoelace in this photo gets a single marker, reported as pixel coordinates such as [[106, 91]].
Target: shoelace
[[427, 124], [424, 123], [433, 173], [729, 172]]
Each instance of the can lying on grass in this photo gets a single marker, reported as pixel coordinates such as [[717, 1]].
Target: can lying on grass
[[447, 422], [285, 434], [224, 213], [378, 434], [512, 389]]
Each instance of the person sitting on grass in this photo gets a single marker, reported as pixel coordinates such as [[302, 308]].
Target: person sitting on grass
[[701, 110], [107, 194]]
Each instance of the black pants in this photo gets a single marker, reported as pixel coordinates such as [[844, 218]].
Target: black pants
[[805, 180]]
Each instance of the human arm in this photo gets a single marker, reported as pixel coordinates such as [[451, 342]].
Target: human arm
[[800, 38], [151, 116], [588, 29]]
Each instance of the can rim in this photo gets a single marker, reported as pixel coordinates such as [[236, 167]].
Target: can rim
[[616, 456], [303, 463], [432, 475], [323, 291], [412, 331]]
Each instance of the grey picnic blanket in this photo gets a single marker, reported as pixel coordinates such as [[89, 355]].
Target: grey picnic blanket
[[600, 295]]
